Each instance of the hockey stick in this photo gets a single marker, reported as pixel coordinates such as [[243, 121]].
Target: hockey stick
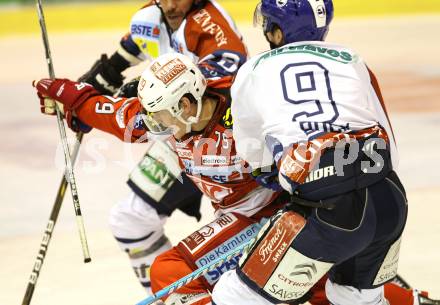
[[70, 177], [197, 273], [49, 229]]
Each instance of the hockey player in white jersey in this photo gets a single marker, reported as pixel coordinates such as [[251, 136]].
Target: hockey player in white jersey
[[315, 110]]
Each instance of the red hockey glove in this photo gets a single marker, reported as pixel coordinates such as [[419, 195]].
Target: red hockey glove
[[68, 94]]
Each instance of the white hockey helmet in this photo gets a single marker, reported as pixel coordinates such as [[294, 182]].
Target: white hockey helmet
[[162, 85]]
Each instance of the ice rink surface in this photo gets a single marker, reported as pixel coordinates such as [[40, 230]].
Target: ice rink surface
[[404, 53]]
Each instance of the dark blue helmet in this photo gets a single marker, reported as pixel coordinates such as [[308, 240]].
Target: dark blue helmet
[[300, 20]]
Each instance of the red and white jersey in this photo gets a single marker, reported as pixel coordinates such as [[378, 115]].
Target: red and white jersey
[[208, 158], [299, 92], [207, 35]]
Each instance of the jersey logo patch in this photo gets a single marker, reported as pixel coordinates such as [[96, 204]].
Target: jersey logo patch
[[149, 30], [139, 122], [201, 237], [214, 160], [238, 239], [227, 120], [208, 26]]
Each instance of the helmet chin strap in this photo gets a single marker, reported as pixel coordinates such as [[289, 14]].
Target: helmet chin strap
[[192, 119]]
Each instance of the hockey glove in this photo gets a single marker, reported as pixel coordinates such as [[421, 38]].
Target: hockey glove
[[68, 95], [105, 75], [129, 89]]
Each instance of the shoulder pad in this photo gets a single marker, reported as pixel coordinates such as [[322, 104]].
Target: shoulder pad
[[145, 29]]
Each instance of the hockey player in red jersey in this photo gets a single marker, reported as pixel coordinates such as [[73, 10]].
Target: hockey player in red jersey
[[174, 93], [202, 30], [202, 137], [173, 98]]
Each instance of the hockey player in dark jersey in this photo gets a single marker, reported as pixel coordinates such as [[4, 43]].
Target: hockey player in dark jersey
[[307, 103]]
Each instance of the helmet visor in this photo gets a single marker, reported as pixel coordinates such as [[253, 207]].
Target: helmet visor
[[154, 123]]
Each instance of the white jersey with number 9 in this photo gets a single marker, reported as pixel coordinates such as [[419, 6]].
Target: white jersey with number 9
[[300, 91]]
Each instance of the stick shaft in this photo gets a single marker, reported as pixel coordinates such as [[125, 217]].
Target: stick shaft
[[197, 273], [49, 229]]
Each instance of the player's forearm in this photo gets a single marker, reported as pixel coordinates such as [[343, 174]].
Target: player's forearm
[[119, 117], [129, 52]]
